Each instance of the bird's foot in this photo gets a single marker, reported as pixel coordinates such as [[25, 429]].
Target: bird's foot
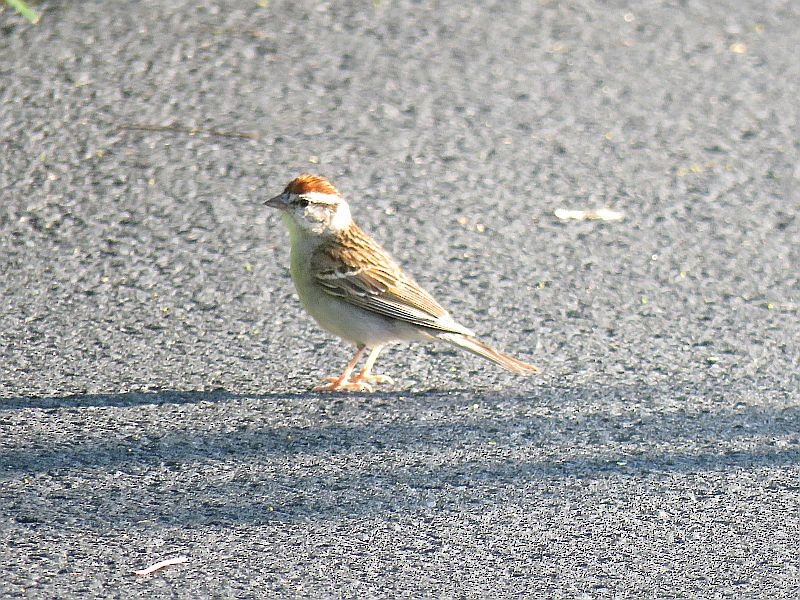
[[371, 378], [337, 384]]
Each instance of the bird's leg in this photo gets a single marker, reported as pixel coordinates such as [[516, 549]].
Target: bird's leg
[[366, 373], [343, 383]]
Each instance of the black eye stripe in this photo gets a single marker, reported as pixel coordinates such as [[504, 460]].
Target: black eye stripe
[[300, 201]]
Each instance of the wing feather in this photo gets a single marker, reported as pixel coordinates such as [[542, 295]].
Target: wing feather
[[355, 268]]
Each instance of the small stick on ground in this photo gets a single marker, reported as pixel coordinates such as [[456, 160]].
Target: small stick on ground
[[245, 135], [178, 560]]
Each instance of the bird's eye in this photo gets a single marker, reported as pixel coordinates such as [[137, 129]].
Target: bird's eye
[[302, 202]]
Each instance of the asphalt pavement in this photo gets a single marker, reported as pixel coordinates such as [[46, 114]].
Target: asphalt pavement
[[156, 367]]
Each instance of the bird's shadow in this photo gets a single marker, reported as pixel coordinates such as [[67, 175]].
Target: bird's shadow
[[327, 467]]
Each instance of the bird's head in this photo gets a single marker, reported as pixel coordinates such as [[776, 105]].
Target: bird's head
[[312, 205]]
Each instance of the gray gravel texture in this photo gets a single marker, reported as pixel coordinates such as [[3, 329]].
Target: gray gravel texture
[[155, 365]]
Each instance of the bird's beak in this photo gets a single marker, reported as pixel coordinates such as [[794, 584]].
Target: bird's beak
[[280, 201]]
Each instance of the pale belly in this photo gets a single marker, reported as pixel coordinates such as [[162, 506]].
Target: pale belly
[[345, 320], [353, 323]]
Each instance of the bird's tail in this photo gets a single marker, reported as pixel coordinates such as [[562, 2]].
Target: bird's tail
[[476, 346]]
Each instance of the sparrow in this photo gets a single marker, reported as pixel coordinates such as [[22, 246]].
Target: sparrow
[[355, 290]]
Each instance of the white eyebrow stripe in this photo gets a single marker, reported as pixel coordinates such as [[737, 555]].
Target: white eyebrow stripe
[[320, 198]]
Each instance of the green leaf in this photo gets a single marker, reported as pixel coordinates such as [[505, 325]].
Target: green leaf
[[26, 11]]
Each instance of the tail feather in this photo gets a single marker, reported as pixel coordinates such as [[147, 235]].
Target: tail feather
[[476, 346]]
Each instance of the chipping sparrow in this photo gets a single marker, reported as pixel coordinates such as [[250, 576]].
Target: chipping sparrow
[[355, 290]]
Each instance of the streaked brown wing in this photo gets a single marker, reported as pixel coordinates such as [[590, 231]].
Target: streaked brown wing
[[355, 268]]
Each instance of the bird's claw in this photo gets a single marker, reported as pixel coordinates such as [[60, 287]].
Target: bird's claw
[[370, 378], [337, 385], [363, 382]]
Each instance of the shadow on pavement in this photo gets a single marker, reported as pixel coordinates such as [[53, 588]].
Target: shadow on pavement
[[120, 400], [332, 469]]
